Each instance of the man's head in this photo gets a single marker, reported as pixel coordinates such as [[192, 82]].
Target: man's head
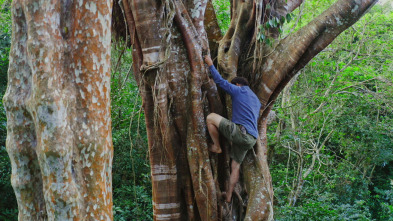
[[240, 80]]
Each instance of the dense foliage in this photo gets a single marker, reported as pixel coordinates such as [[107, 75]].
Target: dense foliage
[[131, 170], [8, 206], [330, 144]]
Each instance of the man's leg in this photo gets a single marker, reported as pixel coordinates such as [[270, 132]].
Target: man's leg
[[213, 121], [233, 179]]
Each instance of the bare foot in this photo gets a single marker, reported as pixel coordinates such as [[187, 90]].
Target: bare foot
[[223, 195], [215, 149], [229, 196]]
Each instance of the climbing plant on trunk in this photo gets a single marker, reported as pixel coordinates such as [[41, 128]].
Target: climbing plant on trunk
[[58, 109], [169, 38]]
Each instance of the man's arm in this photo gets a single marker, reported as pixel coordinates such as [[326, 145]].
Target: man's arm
[[221, 82]]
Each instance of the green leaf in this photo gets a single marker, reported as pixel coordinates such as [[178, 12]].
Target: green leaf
[[268, 6], [267, 25], [268, 42], [289, 17], [282, 20], [277, 21], [261, 28], [272, 23]]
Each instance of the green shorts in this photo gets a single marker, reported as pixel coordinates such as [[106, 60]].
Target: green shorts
[[241, 142]]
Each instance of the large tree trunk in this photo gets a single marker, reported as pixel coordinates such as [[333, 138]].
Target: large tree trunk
[[168, 39], [58, 109]]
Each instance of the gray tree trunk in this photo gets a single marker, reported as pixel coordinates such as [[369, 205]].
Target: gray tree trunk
[[58, 109]]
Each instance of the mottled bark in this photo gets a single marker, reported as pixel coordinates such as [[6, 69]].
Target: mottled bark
[[177, 95], [58, 110]]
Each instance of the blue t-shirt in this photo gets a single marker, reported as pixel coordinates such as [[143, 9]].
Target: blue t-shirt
[[245, 103]]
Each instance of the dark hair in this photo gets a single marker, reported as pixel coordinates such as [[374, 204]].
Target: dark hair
[[240, 80]]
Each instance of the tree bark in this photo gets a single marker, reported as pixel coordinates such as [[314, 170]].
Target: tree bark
[[58, 109], [177, 95]]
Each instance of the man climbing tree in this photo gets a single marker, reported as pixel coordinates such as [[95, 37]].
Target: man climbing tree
[[168, 38], [242, 132]]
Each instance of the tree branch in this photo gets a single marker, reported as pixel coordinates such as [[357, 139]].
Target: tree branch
[[335, 20], [295, 51], [212, 29], [283, 7]]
